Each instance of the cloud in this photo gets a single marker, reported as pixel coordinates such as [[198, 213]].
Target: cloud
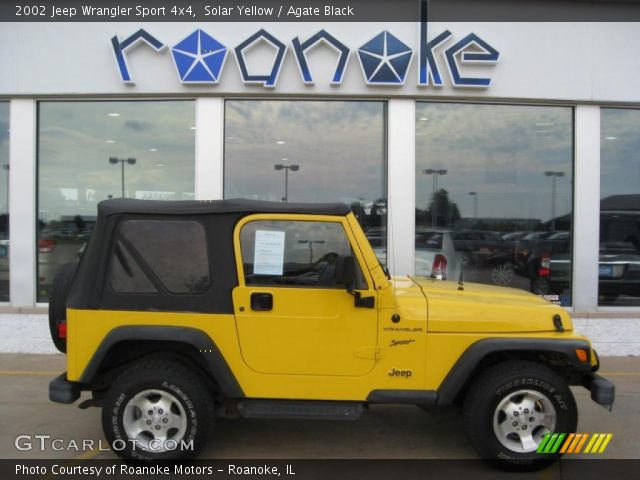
[[137, 126], [77, 139], [339, 146], [499, 151]]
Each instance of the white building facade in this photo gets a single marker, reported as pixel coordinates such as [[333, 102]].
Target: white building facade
[[509, 149]]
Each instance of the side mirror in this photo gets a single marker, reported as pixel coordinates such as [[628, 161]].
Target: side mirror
[[345, 271]]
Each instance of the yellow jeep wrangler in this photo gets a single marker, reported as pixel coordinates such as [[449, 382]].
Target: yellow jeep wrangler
[[179, 312]]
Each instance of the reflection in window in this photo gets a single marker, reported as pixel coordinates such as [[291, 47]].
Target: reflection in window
[[4, 202], [619, 262], [91, 151], [175, 251], [493, 195], [310, 151], [293, 253], [126, 275]]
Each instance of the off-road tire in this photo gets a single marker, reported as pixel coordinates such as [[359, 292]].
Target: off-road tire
[[58, 301], [540, 286], [192, 401], [493, 388]]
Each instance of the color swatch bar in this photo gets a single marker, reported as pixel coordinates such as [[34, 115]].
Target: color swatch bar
[[574, 443]]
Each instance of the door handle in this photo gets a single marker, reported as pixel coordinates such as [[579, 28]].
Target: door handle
[[261, 301]]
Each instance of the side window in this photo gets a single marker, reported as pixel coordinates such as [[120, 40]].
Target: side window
[[294, 253], [174, 250], [126, 275]]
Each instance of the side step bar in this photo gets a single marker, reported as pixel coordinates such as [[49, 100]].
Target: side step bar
[[300, 409]]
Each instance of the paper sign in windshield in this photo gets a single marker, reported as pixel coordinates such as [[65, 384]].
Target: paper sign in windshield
[[269, 253]]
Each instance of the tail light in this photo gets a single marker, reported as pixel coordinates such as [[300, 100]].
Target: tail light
[[62, 330], [545, 265], [439, 267], [46, 245]]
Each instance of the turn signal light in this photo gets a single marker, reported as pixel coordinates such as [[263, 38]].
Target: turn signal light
[[62, 330], [582, 354]]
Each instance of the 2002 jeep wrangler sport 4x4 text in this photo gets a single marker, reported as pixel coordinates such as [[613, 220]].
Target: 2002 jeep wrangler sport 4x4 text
[[179, 312]]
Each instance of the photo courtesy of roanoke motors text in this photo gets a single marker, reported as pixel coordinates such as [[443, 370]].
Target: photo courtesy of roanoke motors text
[[319, 239]]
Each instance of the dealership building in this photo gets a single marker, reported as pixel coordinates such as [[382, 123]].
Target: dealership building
[[508, 151]]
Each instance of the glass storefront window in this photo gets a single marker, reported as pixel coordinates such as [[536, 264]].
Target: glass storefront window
[[91, 151], [494, 195], [310, 151], [619, 260], [4, 202]]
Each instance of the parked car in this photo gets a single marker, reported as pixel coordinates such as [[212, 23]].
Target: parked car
[[618, 263], [482, 250], [435, 255], [59, 243], [178, 312], [533, 254]]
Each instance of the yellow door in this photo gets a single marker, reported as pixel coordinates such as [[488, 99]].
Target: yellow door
[[292, 314]]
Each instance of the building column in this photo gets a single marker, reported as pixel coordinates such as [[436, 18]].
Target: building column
[[401, 198], [22, 202], [586, 215], [209, 148]]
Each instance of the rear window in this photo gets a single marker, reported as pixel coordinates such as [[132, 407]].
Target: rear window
[[174, 251]]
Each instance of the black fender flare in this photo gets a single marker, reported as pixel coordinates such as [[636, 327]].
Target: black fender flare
[[471, 357], [194, 337]]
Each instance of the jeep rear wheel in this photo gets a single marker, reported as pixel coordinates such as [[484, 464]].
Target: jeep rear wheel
[[511, 407], [157, 410], [58, 303]]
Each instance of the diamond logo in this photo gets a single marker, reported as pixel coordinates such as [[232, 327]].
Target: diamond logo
[[199, 58], [385, 60]]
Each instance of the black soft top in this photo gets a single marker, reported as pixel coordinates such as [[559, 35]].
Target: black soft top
[[90, 289], [197, 207]]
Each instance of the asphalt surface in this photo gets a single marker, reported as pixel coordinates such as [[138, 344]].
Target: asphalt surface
[[384, 432]]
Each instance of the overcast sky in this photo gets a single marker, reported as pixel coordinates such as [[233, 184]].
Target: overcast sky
[[77, 139], [499, 151]]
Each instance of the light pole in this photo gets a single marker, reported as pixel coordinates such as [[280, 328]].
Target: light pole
[[475, 203], [310, 243], [286, 168], [553, 176], [435, 173], [122, 161]]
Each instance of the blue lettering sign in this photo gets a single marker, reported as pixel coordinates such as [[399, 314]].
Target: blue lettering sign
[[119, 49], [267, 80], [300, 49], [199, 58], [385, 60], [486, 55], [428, 68]]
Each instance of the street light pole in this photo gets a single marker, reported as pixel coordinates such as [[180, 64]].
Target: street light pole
[[115, 161], [435, 173], [553, 176], [286, 168], [475, 203]]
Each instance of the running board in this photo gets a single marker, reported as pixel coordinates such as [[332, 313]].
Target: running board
[[300, 409]]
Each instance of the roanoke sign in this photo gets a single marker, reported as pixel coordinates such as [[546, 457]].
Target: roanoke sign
[[200, 58]]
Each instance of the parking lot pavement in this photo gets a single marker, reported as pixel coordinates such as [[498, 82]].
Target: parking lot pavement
[[385, 432]]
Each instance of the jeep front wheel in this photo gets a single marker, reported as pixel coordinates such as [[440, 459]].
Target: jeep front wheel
[[511, 407], [157, 410]]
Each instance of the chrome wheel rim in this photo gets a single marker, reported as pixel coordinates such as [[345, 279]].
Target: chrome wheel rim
[[502, 274], [522, 419], [154, 420]]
